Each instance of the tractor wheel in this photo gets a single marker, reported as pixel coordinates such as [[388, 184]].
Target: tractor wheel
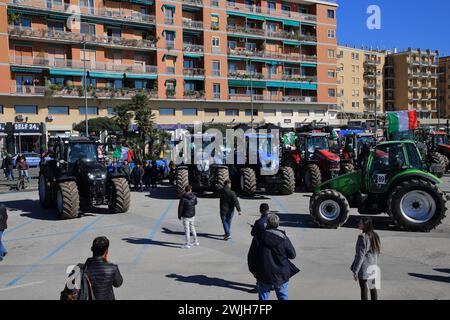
[[247, 181], [439, 159], [120, 196], [417, 205], [312, 177], [347, 168], [288, 178], [45, 193], [329, 209], [182, 181], [222, 176], [447, 162], [67, 200]]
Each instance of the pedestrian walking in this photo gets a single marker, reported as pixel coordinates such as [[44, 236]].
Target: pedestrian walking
[[102, 274], [9, 167], [154, 174], [137, 174], [228, 202], [3, 227], [186, 213], [270, 261], [147, 175], [365, 265]]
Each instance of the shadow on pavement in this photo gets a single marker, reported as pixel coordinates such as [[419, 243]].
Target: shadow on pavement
[[31, 209], [147, 241], [213, 282], [431, 277], [162, 193], [199, 234]]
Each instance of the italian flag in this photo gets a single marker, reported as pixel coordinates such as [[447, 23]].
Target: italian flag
[[402, 121]]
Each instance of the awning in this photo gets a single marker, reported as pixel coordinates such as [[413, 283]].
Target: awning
[[247, 83], [66, 72], [246, 15], [26, 70], [169, 6], [146, 2], [266, 61], [303, 86], [237, 58], [313, 65], [214, 14], [169, 55], [291, 23], [277, 84], [193, 55], [106, 75], [141, 76], [275, 19], [170, 80], [292, 43]]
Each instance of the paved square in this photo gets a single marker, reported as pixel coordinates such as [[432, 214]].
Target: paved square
[[145, 243]]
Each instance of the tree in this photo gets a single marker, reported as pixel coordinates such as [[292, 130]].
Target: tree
[[123, 117], [98, 124]]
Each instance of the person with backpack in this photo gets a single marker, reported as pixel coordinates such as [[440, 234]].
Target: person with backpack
[[365, 265], [186, 212], [103, 275], [228, 202], [3, 227]]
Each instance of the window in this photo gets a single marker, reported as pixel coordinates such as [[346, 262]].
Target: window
[[214, 21], [214, 3], [287, 113], [211, 112], [271, 6], [26, 109], [232, 67], [168, 15], [215, 44], [114, 83], [141, 84], [232, 112], [189, 86], [355, 56], [285, 7], [88, 28], [272, 70], [216, 91], [90, 110], [190, 112], [53, 26], [111, 111], [331, 54], [331, 73], [250, 46], [24, 22], [248, 112], [330, 14], [166, 112], [303, 113], [331, 93], [170, 38], [57, 80], [58, 110], [331, 34], [270, 113], [232, 45], [216, 68]]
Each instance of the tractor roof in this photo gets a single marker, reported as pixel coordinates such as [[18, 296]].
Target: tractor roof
[[395, 142], [79, 140], [313, 134]]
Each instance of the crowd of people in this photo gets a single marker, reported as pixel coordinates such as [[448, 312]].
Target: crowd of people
[[21, 165]]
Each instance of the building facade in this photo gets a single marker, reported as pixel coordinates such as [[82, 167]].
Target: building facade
[[411, 81], [360, 82], [444, 87], [197, 60]]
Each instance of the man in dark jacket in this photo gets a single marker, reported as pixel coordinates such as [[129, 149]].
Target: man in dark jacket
[[102, 274], [137, 174], [9, 165], [228, 201], [271, 266], [186, 212], [3, 227]]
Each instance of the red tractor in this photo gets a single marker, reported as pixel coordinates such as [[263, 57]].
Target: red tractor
[[312, 160], [439, 143]]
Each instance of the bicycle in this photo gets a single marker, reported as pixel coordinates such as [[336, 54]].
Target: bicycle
[[23, 182]]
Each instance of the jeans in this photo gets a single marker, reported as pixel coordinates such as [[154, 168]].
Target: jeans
[[188, 228], [10, 174], [264, 290], [23, 173], [2, 248], [226, 221]]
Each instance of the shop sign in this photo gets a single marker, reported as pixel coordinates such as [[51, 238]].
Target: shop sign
[[27, 127]]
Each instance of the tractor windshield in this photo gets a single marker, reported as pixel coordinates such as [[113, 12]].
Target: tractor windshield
[[86, 151], [440, 139], [314, 143], [388, 157]]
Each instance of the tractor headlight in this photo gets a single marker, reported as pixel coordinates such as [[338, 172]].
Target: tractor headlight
[[91, 176], [103, 175]]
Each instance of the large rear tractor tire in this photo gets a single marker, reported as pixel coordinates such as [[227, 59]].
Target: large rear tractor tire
[[329, 209], [288, 180], [182, 181], [68, 200], [312, 177], [439, 159], [222, 175], [447, 162], [417, 205], [347, 168], [247, 181], [120, 196]]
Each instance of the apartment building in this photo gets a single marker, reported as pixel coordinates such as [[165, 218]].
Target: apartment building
[[411, 81], [360, 82], [197, 60], [444, 87]]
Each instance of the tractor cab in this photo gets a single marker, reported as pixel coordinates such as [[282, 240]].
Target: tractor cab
[[439, 138]]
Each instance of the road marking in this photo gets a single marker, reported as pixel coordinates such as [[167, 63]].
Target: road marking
[[156, 228], [8, 231], [283, 207], [30, 269], [23, 285]]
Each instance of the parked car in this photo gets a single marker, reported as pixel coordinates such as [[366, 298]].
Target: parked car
[[33, 159]]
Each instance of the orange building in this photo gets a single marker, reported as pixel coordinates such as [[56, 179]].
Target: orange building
[[198, 60]]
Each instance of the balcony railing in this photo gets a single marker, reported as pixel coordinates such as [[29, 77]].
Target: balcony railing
[[299, 78], [272, 54], [60, 6], [271, 98], [78, 64], [190, 47], [198, 3], [243, 74], [194, 94], [72, 37], [194, 72], [192, 24], [243, 30], [274, 34], [370, 75]]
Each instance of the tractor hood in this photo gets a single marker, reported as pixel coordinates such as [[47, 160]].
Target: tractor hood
[[327, 155], [444, 148], [92, 169]]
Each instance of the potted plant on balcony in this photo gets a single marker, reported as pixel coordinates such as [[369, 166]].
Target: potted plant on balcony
[[13, 18]]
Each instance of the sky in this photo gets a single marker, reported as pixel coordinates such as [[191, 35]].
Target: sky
[[404, 23]]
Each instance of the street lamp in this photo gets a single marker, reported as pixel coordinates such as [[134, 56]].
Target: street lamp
[[84, 85]]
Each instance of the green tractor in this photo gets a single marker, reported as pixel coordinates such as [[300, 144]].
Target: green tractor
[[392, 181]]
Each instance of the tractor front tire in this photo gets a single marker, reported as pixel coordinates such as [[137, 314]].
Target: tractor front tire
[[417, 205], [120, 196], [288, 181], [68, 200], [182, 181], [222, 175], [347, 168], [312, 177], [329, 209], [248, 181]]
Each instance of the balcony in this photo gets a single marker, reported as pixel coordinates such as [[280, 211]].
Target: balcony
[[371, 98], [77, 38], [243, 74], [270, 98], [190, 47], [371, 86], [370, 75], [194, 94], [242, 30], [193, 72], [170, 93], [192, 24], [55, 6], [197, 3], [299, 78], [371, 63], [272, 54], [79, 65], [292, 36], [244, 7]]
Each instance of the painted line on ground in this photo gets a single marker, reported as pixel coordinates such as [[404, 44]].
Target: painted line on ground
[[283, 207], [30, 269], [8, 231], [156, 228], [23, 285]]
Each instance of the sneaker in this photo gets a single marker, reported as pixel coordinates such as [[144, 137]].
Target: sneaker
[[195, 244], [186, 246], [227, 238]]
